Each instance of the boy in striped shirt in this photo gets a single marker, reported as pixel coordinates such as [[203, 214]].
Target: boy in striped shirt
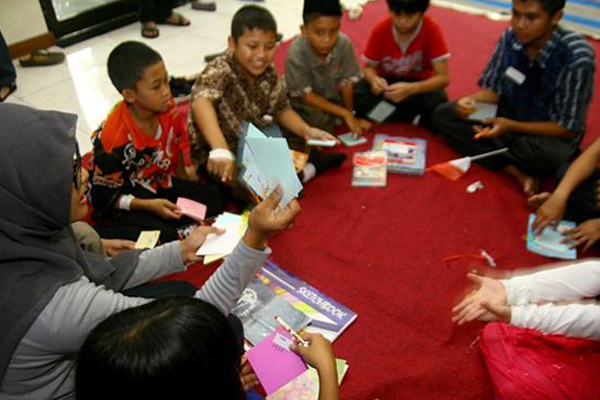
[[541, 77]]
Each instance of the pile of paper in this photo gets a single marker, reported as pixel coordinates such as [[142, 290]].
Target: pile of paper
[[266, 163], [216, 246]]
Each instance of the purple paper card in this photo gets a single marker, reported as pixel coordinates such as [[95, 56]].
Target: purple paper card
[[273, 361], [191, 208]]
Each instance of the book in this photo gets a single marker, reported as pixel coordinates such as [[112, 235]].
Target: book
[[370, 169], [349, 139], [306, 385], [549, 242], [404, 155], [327, 316], [274, 363], [257, 308]]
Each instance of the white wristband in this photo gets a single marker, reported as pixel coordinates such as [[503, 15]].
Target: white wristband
[[125, 201], [221, 153]]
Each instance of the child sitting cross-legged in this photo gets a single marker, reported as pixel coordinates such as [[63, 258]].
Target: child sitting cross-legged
[[243, 86], [141, 153], [406, 64], [321, 69]]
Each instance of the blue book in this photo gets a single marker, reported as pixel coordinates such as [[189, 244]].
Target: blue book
[[328, 316], [549, 242]]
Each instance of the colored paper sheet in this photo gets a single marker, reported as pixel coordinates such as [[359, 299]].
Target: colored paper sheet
[[349, 139], [192, 209], [273, 361], [381, 111], [484, 111], [306, 385], [221, 245], [147, 240], [269, 163], [549, 242]]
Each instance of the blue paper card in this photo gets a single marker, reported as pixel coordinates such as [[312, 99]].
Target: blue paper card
[[548, 243], [267, 162]]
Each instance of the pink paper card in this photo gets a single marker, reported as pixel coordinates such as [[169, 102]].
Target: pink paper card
[[191, 208], [273, 361]]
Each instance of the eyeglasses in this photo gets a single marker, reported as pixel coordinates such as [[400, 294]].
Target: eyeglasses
[[77, 176]]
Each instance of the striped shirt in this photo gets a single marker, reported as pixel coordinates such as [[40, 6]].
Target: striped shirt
[[556, 86]]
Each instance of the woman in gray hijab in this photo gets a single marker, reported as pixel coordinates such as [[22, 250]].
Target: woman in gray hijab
[[51, 292]]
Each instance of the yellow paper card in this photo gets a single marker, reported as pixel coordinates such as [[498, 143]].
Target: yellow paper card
[[147, 240]]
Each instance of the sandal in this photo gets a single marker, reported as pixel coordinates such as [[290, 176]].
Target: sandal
[[11, 88], [42, 57], [176, 19], [149, 30], [204, 5]]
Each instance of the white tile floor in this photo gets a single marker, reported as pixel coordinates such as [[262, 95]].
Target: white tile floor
[[81, 85]]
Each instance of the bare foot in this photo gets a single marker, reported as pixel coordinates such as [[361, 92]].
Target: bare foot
[[537, 200], [529, 184], [4, 92]]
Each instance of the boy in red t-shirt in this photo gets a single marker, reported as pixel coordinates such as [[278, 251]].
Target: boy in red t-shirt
[[406, 64]]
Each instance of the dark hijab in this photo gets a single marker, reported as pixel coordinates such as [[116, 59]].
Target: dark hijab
[[38, 253]]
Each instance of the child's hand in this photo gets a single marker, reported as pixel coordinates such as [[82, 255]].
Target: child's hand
[[223, 168], [247, 375], [497, 127], [399, 91], [357, 125], [163, 208], [549, 213], [587, 233], [191, 173], [465, 107], [267, 218], [480, 303], [190, 245], [112, 247], [318, 353], [378, 85]]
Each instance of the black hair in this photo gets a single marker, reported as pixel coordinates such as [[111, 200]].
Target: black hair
[[320, 8], [551, 6], [127, 63], [408, 6], [171, 348], [252, 17]]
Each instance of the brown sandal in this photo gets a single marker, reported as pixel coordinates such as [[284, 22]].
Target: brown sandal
[[149, 30], [42, 57], [176, 19]]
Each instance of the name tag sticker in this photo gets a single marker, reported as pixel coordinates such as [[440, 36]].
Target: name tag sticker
[[515, 75], [282, 341]]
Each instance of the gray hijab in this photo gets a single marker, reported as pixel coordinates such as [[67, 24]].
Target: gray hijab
[[38, 253]]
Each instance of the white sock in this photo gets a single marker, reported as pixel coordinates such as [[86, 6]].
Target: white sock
[[308, 172]]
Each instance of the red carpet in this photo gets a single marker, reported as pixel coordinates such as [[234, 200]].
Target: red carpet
[[380, 251]]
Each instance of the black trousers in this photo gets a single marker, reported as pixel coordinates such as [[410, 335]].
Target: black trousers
[[129, 224], [537, 156], [155, 10], [421, 104], [7, 69]]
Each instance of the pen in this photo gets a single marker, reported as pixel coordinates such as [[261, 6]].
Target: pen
[[292, 332]]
